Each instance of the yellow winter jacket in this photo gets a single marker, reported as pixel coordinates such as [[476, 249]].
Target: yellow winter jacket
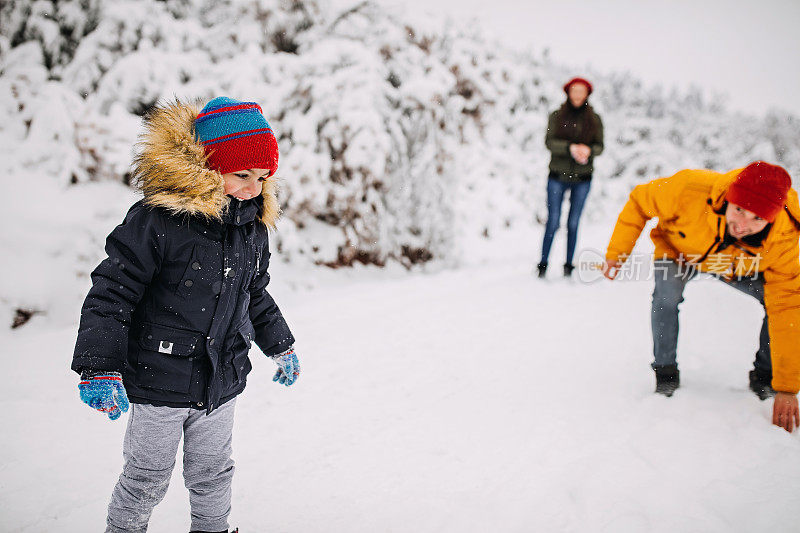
[[690, 210]]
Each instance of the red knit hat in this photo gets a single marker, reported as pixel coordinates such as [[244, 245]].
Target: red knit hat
[[236, 136], [577, 80], [761, 188]]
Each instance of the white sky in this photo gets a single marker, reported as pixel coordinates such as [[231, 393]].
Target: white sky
[[748, 49]]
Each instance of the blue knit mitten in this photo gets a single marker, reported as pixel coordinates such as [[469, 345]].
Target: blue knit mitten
[[104, 392], [288, 367]]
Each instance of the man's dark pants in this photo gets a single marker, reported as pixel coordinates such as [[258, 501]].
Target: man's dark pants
[[670, 281]]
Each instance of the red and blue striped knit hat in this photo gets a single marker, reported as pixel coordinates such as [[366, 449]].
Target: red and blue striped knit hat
[[236, 136]]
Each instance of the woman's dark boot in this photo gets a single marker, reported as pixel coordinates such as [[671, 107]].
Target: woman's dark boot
[[541, 269], [568, 268]]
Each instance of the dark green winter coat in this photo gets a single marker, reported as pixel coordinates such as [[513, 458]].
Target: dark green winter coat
[[566, 126]]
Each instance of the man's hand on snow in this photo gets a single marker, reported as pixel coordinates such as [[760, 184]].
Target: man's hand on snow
[[611, 269], [288, 367], [785, 412]]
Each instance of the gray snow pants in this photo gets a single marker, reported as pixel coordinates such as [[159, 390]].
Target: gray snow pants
[[149, 449]]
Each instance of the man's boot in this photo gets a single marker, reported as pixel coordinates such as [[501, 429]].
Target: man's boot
[[568, 268], [667, 380], [541, 269], [761, 384]]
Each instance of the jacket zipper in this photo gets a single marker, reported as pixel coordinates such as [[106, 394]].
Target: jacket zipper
[[715, 243], [745, 250]]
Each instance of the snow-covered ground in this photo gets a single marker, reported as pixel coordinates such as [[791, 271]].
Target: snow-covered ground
[[474, 400]]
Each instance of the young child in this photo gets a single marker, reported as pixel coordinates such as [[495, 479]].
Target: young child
[[173, 310]]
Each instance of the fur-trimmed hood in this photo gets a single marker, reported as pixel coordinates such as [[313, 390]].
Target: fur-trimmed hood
[[170, 168]]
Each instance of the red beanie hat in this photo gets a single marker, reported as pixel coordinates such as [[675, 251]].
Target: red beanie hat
[[236, 136], [577, 80], [761, 188]]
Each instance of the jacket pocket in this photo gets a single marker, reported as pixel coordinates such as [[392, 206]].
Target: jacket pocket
[[166, 356]]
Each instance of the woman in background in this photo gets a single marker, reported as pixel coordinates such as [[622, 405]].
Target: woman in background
[[574, 137]]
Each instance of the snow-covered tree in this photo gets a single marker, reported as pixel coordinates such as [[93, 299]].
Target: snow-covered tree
[[400, 138]]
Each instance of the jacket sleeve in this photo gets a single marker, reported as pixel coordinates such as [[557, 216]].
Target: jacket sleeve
[[597, 146], [272, 333], [135, 249], [658, 198], [556, 146], [782, 302]]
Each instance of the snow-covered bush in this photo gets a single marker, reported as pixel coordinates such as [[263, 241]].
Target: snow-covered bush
[[401, 139], [56, 25]]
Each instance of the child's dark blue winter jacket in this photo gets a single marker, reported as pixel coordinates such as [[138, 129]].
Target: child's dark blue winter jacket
[[182, 294]]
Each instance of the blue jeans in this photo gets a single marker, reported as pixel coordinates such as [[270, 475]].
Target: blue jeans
[[667, 296], [555, 196]]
